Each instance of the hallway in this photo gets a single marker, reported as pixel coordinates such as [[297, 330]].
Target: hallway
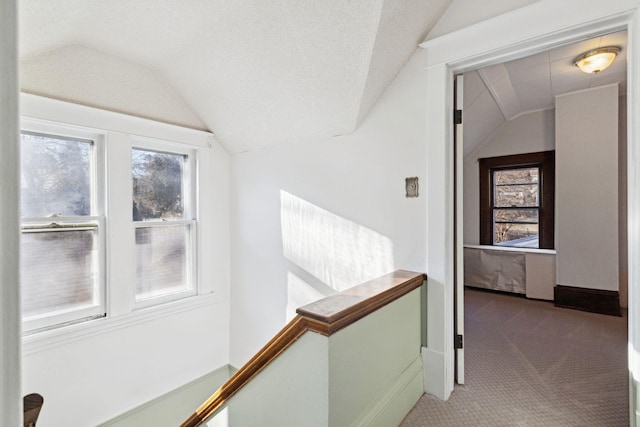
[[529, 363]]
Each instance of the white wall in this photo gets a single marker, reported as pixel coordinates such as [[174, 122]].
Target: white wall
[[587, 188], [94, 378], [528, 133], [173, 408], [10, 390], [354, 187], [93, 371]]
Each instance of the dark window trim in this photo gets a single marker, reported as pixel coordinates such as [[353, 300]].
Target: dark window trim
[[545, 160]]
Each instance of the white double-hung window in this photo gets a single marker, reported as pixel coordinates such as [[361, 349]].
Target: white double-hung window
[[108, 221], [62, 241], [163, 211]]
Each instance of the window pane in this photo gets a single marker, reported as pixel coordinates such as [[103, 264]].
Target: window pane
[[56, 175], [516, 215], [516, 187], [516, 195], [517, 176], [59, 271], [162, 261], [515, 234], [157, 185]]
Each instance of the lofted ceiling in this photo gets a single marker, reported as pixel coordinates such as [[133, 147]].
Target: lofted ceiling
[[254, 73], [502, 92]]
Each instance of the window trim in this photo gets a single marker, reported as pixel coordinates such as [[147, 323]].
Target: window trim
[[545, 161]]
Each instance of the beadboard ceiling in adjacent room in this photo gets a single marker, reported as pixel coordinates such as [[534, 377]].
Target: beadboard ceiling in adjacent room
[[255, 73], [502, 92]]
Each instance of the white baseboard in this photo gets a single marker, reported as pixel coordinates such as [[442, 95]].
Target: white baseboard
[[396, 402], [434, 373]]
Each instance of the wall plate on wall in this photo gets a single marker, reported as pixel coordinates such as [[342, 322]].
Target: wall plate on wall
[[411, 185]]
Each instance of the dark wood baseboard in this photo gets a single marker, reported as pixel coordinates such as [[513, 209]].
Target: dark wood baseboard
[[593, 300]]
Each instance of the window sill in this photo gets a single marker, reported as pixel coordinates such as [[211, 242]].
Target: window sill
[[512, 249], [46, 340]]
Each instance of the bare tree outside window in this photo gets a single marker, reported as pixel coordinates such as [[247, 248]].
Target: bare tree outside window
[[55, 176], [157, 185]]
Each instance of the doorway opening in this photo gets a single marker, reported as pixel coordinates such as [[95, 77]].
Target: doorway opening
[[535, 104]]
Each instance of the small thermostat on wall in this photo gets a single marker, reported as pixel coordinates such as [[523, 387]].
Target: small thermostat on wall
[[411, 185]]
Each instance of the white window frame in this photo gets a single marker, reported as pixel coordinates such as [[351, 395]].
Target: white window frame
[[211, 166], [190, 209], [55, 319]]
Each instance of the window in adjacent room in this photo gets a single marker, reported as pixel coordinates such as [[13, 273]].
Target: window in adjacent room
[[517, 199], [61, 266], [163, 216]]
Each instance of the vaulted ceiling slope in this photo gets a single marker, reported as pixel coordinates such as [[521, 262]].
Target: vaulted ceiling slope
[[255, 73]]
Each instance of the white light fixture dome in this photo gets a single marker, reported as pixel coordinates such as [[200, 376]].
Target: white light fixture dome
[[596, 60]]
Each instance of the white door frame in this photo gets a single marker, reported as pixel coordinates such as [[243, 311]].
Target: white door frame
[[529, 30]]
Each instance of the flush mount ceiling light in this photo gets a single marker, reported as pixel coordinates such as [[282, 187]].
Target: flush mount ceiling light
[[596, 60]]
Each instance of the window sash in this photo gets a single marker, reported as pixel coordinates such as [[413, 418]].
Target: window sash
[[528, 215], [189, 193], [498, 195], [496, 207], [189, 263], [183, 191], [189, 172], [57, 317], [96, 156], [95, 220]]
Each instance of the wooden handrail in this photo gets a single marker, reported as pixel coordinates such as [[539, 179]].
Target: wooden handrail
[[325, 316]]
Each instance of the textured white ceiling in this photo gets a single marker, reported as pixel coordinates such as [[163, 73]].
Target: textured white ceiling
[[505, 91], [462, 13], [255, 73]]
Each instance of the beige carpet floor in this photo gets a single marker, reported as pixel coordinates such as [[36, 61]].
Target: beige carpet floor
[[529, 363]]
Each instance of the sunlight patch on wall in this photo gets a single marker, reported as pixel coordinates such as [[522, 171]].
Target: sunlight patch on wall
[[336, 251]]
